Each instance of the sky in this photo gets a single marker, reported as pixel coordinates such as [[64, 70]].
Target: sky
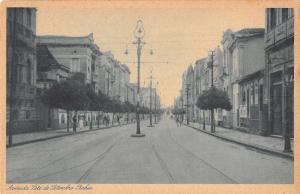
[[178, 35]]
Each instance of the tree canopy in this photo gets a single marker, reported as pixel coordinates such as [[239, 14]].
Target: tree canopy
[[69, 95], [213, 99], [177, 111]]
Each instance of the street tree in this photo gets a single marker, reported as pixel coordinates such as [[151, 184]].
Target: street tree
[[93, 102], [69, 95], [211, 99]]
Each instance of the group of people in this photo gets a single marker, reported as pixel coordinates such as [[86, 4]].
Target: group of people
[[106, 119], [179, 120]]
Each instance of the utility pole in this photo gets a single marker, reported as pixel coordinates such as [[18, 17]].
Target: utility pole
[[151, 125], [187, 90], [12, 81], [127, 103], [212, 85], [155, 105]]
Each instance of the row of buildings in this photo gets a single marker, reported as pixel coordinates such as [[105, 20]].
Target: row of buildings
[[34, 63], [255, 66]]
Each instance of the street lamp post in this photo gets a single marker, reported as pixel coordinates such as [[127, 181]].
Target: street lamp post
[[212, 85], [139, 35], [150, 125]]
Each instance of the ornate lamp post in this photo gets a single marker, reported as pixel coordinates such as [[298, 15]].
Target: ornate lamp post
[[139, 34]]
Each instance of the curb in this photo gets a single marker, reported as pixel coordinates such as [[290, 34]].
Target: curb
[[63, 135], [254, 146]]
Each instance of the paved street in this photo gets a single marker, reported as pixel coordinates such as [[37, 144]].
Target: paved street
[[167, 154]]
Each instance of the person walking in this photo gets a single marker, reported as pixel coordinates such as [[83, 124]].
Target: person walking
[[181, 120], [177, 121], [74, 123]]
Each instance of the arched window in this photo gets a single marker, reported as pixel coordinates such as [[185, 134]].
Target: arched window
[[62, 118]]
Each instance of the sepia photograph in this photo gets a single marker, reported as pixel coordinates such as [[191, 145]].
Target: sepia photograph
[[141, 94]]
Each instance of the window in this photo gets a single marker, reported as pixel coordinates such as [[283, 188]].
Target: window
[[272, 18], [244, 98], [278, 16], [28, 76], [27, 114], [253, 94], [62, 118], [256, 94], [75, 65], [261, 97], [284, 14], [290, 12], [28, 18]]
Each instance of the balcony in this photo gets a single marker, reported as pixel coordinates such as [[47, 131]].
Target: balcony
[[280, 32], [25, 36]]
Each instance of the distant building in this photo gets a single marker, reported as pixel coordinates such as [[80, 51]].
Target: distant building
[[49, 71], [21, 70], [243, 55], [189, 92], [199, 87], [279, 51], [77, 53]]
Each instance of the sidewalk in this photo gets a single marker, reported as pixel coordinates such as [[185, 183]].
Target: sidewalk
[[25, 138], [269, 144]]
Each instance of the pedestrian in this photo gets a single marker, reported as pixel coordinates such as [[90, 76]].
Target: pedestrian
[[181, 120], [118, 120], [177, 121], [74, 123]]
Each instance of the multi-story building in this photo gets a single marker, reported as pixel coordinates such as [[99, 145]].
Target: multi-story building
[[189, 92], [21, 70], [106, 76], [243, 56], [131, 91], [50, 71], [77, 53], [279, 52], [199, 86]]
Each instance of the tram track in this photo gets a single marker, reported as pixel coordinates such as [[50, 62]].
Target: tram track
[[93, 161], [200, 159]]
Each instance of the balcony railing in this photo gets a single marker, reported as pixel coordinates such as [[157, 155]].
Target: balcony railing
[[280, 32]]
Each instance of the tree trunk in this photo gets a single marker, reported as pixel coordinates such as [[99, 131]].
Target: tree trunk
[[98, 119], [212, 121], [91, 123], [68, 121], [75, 122]]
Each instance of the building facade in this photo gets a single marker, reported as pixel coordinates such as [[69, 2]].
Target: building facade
[[21, 70], [49, 71], [279, 60], [77, 53], [243, 55]]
